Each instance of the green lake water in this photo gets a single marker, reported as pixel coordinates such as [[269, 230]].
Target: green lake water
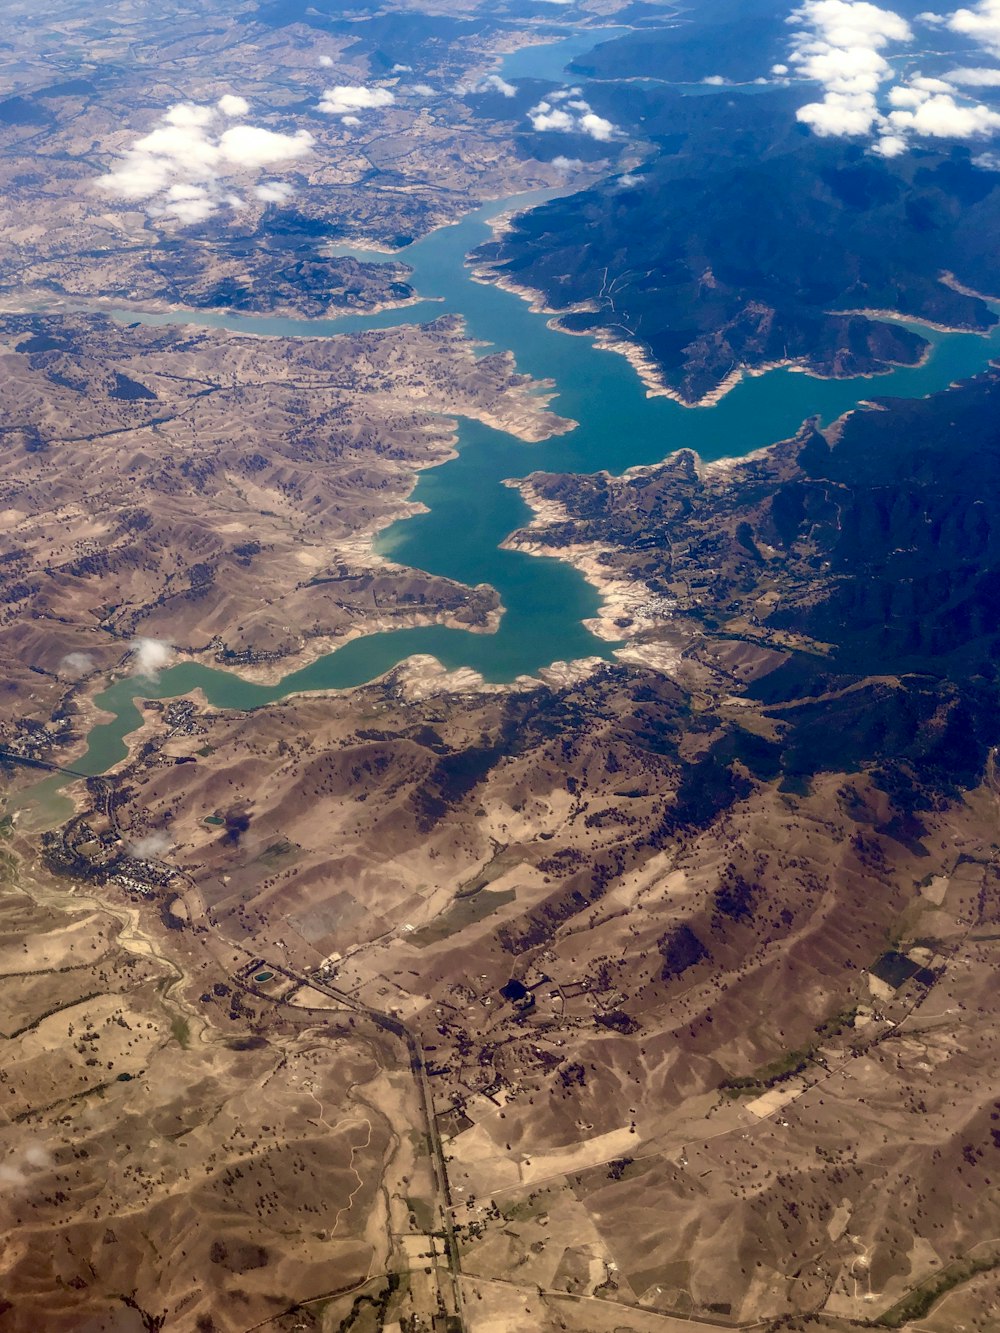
[[470, 511]]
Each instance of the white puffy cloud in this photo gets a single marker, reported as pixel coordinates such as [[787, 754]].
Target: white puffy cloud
[[274, 192], [977, 77], [249, 146], [596, 126], [941, 117], [928, 108], [151, 845], [840, 114], [494, 83], [346, 98], [579, 119], [842, 43], [930, 85], [489, 83], [186, 114], [715, 80], [326, 62], [18, 1166], [982, 23], [546, 117], [352, 122], [188, 203], [849, 71], [839, 43], [848, 24], [231, 105], [172, 143], [180, 167], [74, 666], [149, 657], [890, 145], [903, 96], [138, 175], [423, 90]]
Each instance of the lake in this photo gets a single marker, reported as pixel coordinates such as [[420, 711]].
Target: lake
[[470, 511]]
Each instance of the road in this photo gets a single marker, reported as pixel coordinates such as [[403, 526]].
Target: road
[[11, 757], [418, 1067]]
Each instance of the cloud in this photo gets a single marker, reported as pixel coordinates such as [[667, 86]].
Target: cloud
[[981, 23], [566, 163], [351, 121], [274, 192], [579, 119], [941, 117], [17, 1168], [189, 203], [489, 83], [231, 105], [248, 147], [715, 80], [180, 167], [149, 657], [423, 90], [326, 62], [74, 666], [841, 45], [840, 115], [544, 117], [596, 126], [402, 69], [890, 145], [151, 845], [346, 98], [186, 114], [978, 77], [494, 83]]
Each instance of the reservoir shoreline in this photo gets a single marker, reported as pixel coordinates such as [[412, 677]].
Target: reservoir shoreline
[[461, 512]]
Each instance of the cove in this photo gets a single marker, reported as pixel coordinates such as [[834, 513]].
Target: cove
[[470, 511], [548, 60]]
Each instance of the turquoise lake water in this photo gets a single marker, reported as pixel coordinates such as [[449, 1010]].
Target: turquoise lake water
[[470, 511]]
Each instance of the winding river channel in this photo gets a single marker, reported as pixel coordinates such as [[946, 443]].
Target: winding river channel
[[470, 511]]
